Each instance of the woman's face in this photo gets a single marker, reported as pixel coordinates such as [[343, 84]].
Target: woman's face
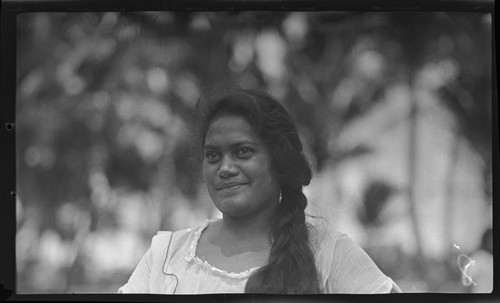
[[237, 169]]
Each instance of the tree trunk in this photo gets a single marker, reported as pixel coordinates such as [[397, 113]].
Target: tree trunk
[[412, 177], [450, 190]]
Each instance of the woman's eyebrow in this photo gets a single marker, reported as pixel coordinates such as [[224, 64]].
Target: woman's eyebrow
[[209, 146], [245, 142], [235, 144]]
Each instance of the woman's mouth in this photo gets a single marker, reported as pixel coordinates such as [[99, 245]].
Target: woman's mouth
[[230, 185]]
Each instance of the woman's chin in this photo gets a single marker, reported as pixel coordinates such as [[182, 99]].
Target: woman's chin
[[232, 208]]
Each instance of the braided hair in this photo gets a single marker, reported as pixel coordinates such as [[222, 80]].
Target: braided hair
[[291, 267]]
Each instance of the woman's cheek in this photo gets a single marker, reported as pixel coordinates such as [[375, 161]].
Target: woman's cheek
[[209, 174]]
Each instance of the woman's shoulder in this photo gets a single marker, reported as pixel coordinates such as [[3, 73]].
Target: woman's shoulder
[[323, 234], [176, 239], [323, 237], [177, 233], [346, 267], [332, 245]]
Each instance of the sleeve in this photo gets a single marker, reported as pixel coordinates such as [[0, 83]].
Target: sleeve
[[353, 271], [139, 280]]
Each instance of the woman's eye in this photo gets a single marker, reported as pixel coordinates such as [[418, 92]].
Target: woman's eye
[[244, 151], [211, 155]]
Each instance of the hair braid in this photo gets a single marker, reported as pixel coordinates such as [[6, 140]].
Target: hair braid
[[291, 258]]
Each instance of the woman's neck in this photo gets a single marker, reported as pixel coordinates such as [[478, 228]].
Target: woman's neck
[[247, 227], [236, 236]]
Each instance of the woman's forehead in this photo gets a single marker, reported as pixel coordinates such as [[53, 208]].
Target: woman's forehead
[[230, 129]]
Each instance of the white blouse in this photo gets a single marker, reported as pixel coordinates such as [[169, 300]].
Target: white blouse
[[170, 266]]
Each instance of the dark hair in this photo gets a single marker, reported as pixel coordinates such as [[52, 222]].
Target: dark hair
[[291, 265]]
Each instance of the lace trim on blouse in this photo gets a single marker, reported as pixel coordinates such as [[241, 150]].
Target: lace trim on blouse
[[192, 257]]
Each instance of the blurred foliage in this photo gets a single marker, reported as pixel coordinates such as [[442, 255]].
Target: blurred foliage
[[374, 200], [105, 112]]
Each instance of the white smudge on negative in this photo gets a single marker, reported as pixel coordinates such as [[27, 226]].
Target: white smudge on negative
[[464, 262]]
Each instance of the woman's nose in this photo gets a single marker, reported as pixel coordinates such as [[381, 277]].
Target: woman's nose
[[227, 168]]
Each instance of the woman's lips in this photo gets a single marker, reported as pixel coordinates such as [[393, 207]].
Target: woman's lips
[[230, 185]]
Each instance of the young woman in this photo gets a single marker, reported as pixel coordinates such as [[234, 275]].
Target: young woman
[[254, 168]]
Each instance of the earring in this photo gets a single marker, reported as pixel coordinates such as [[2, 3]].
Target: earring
[[279, 201]]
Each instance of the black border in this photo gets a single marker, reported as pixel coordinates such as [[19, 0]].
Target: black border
[[236, 5], [12, 8]]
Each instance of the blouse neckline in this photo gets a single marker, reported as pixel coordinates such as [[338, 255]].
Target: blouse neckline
[[193, 257]]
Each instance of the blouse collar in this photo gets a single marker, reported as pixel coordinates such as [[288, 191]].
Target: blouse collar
[[192, 257]]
